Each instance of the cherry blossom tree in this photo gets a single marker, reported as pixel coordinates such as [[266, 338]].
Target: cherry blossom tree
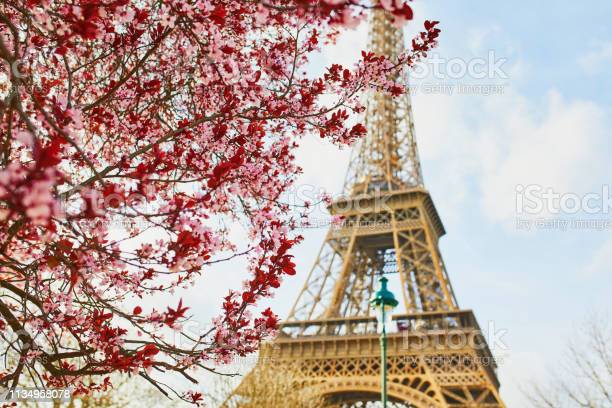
[[133, 133]]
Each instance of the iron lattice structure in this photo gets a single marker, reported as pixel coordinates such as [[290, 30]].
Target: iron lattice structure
[[437, 356]]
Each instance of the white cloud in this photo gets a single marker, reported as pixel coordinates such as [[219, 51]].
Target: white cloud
[[601, 263], [554, 149], [477, 37], [597, 60], [501, 141]]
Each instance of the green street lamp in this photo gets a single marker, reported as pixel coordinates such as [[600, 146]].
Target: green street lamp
[[383, 302]]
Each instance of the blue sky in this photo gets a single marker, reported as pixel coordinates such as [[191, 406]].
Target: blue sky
[[549, 128]]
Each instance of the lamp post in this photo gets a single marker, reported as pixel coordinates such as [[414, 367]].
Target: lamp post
[[383, 302]]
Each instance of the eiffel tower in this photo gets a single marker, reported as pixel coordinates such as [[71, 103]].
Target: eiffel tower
[[437, 355]]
